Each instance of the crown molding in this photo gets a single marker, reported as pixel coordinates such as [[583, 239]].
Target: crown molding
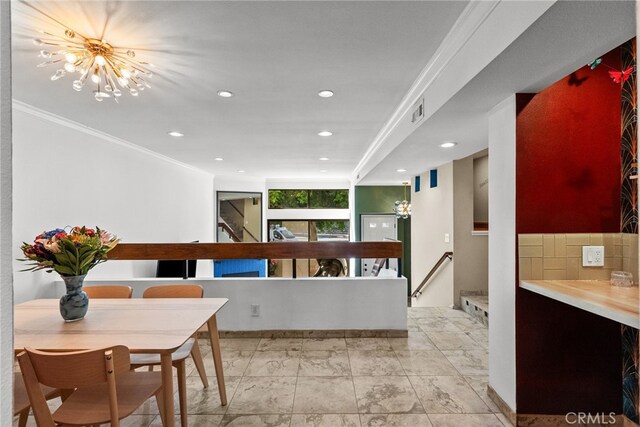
[[469, 21], [63, 121]]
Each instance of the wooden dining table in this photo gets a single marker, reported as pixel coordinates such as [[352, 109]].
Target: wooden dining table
[[144, 325]]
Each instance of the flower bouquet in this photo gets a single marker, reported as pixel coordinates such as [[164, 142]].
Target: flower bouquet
[[70, 254]]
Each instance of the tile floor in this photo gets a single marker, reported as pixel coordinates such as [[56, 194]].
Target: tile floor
[[435, 377]]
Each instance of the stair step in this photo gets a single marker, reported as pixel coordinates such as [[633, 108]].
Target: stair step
[[476, 306]]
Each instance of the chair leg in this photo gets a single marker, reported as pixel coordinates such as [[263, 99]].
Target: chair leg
[[196, 355], [160, 401], [24, 415], [182, 391]]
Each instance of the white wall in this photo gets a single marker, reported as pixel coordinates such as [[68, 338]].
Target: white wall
[[502, 250], [6, 243], [299, 304], [432, 217], [470, 250], [64, 175]]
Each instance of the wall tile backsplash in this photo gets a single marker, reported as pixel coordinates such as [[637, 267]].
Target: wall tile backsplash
[[559, 256]]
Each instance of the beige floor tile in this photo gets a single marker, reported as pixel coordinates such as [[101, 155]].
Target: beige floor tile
[[324, 344], [425, 362], [325, 420], [467, 324], [325, 395], [479, 384], [437, 324], [481, 336], [452, 340], [420, 312], [290, 344], [395, 420], [458, 420], [239, 343], [263, 395], [368, 344], [206, 401], [256, 420], [374, 363], [273, 364], [137, 421], [450, 313], [447, 394], [415, 341], [234, 363], [324, 363], [469, 362], [202, 420], [383, 395]]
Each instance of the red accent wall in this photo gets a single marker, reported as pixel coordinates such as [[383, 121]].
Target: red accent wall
[[568, 155], [568, 181]]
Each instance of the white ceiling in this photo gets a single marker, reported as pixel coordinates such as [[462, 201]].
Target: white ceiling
[[567, 37], [275, 57]]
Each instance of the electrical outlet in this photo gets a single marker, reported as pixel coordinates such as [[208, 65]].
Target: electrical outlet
[[593, 256], [447, 239], [255, 310]]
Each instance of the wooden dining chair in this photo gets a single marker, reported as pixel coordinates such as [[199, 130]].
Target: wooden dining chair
[[179, 356], [21, 404], [108, 291], [105, 390]]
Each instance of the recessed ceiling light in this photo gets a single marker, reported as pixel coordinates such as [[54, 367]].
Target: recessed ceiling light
[[325, 93], [325, 133], [401, 170], [175, 133], [225, 93], [218, 159], [448, 144], [323, 171], [324, 159], [240, 171]]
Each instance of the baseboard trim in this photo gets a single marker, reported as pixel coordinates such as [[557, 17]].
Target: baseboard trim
[[298, 333], [502, 405]]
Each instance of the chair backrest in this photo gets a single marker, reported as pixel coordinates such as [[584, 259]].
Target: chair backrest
[[174, 291], [71, 370], [108, 291]]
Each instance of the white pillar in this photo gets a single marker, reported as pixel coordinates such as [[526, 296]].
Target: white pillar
[[6, 264], [502, 250]]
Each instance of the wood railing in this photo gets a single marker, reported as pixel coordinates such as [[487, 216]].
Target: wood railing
[[445, 256], [272, 250]]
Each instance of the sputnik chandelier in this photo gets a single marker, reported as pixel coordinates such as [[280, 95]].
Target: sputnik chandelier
[[95, 60], [402, 208]]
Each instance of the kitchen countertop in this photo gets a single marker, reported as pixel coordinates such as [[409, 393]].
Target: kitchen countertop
[[595, 296]]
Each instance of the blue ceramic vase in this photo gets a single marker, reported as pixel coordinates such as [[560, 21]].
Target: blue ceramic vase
[[74, 304]]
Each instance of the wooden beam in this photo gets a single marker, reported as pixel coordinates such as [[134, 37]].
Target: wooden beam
[[274, 250]]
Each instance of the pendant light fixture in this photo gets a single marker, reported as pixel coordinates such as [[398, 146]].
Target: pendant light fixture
[[402, 208]]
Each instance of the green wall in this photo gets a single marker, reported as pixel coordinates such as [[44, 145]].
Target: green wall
[[378, 200]]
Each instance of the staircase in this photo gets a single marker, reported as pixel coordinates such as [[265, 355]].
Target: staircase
[[232, 215]]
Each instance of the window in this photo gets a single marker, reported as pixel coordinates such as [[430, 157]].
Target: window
[[305, 231], [308, 199]]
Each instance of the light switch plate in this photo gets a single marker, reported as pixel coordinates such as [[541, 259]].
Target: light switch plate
[[593, 256]]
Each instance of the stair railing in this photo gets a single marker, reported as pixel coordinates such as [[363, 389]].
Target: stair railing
[[443, 258]]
